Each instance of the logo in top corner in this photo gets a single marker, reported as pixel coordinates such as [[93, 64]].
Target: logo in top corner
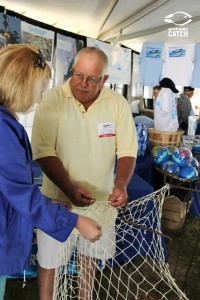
[[179, 14]]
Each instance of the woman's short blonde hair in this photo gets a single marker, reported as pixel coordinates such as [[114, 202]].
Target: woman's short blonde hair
[[23, 76]]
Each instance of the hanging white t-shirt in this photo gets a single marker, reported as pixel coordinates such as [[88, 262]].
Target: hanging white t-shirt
[[178, 60], [165, 111]]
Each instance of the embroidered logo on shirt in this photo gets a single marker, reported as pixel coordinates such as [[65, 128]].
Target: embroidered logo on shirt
[[106, 129]]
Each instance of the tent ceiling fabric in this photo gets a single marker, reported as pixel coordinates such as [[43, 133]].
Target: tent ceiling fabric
[[128, 22]]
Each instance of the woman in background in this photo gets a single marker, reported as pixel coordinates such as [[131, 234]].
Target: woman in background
[[165, 110]]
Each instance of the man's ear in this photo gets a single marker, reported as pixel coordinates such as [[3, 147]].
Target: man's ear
[[105, 78]]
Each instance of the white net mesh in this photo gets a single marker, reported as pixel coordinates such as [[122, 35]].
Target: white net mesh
[[139, 268]]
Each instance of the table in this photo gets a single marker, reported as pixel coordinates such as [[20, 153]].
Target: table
[[144, 168], [195, 205], [138, 187], [132, 241]]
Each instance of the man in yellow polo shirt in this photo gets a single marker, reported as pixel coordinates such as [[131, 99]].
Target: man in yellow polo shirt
[[79, 130]]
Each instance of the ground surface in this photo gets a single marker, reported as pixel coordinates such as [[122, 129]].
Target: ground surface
[[183, 246]]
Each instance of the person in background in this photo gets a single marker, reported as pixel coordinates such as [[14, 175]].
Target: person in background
[[184, 108], [87, 126], [144, 120], [165, 110], [24, 77], [156, 90]]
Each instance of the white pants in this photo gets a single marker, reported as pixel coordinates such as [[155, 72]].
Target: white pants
[[52, 254]]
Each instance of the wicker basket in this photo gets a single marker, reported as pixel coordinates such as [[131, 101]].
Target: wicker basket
[[173, 213], [164, 138]]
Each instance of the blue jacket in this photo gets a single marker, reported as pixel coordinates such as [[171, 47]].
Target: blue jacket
[[22, 206]]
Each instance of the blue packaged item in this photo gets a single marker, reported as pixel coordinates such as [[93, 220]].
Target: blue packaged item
[[142, 136]]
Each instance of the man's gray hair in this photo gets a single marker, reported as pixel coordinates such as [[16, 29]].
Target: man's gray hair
[[94, 51]]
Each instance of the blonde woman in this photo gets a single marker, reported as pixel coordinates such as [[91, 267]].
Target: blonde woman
[[24, 75]]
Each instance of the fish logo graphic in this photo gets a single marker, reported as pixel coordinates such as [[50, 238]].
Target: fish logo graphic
[[178, 14]]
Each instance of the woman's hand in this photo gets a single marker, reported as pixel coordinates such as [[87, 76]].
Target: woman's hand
[[88, 228]]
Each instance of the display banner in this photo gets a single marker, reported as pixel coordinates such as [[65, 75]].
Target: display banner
[[136, 87], [10, 30], [119, 67], [66, 51], [39, 37]]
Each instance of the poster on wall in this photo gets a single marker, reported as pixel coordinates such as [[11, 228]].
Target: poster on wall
[[39, 37], [137, 88], [10, 30], [119, 66], [44, 40], [66, 51]]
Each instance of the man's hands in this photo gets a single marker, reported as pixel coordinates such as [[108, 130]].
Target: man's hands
[[80, 197], [119, 197], [88, 228], [124, 171]]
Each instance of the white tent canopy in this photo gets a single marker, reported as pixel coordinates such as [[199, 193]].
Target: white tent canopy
[[128, 22]]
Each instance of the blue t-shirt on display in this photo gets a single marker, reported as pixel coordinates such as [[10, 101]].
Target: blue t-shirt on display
[[150, 63]]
